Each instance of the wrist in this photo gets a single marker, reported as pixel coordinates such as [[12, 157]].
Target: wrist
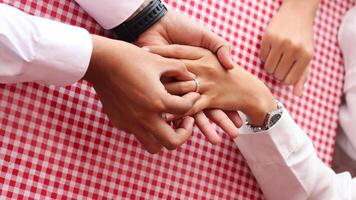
[[259, 107], [93, 59], [97, 60], [306, 7]]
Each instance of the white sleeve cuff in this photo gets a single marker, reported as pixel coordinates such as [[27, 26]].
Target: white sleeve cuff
[[273, 145], [110, 13], [70, 52], [34, 49]]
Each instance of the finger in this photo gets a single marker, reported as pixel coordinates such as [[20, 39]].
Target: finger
[[296, 72], [179, 105], [219, 46], [187, 123], [176, 69], [222, 120], [225, 58], [298, 88], [265, 49], [284, 66], [171, 117], [235, 118], [176, 51], [179, 88], [273, 59], [167, 136], [207, 128], [149, 142], [201, 104]]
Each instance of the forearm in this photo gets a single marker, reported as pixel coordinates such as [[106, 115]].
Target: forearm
[[286, 166], [307, 7], [34, 49]]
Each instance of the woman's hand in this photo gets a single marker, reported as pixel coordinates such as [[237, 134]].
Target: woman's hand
[[127, 80], [287, 45], [232, 90]]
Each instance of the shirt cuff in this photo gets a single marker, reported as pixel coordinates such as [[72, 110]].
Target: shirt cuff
[[63, 54], [35, 49], [110, 13], [273, 145]]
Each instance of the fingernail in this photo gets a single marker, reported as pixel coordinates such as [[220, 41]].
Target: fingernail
[[169, 117], [192, 120]]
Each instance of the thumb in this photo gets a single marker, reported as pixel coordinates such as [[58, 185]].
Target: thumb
[[176, 69], [219, 46], [179, 105], [299, 86]]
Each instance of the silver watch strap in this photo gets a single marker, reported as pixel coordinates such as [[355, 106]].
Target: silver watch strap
[[271, 119]]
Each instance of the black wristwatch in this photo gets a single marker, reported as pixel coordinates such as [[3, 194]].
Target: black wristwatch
[[130, 30]]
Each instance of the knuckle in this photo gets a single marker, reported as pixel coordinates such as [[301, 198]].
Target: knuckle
[[304, 51], [210, 71], [293, 46], [158, 104], [288, 43], [289, 81], [268, 35], [269, 69], [154, 150], [297, 47], [173, 144], [278, 75], [309, 54], [273, 38]]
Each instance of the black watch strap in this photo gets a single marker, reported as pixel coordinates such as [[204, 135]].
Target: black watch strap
[[130, 30]]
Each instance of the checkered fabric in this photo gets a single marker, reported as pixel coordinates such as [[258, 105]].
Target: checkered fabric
[[57, 143]]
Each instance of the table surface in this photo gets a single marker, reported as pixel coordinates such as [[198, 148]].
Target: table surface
[[57, 142]]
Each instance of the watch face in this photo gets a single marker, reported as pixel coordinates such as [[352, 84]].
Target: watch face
[[274, 119]]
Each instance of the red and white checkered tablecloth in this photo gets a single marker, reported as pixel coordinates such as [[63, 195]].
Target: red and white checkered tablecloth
[[57, 143]]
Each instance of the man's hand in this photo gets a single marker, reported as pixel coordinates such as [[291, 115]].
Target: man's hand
[[175, 28], [127, 80], [287, 45]]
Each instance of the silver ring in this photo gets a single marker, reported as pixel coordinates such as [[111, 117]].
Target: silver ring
[[197, 85]]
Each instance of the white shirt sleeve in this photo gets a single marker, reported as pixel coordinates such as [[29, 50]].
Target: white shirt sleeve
[[34, 49], [110, 13], [347, 41], [286, 165]]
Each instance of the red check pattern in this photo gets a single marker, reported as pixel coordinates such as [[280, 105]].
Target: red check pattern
[[56, 143]]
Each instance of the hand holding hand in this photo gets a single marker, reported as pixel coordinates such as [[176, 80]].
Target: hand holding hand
[[127, 80], [231, 90], [287, 45], [169, 31]]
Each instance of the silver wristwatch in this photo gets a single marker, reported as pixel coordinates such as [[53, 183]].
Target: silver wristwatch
[[271, 119]]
